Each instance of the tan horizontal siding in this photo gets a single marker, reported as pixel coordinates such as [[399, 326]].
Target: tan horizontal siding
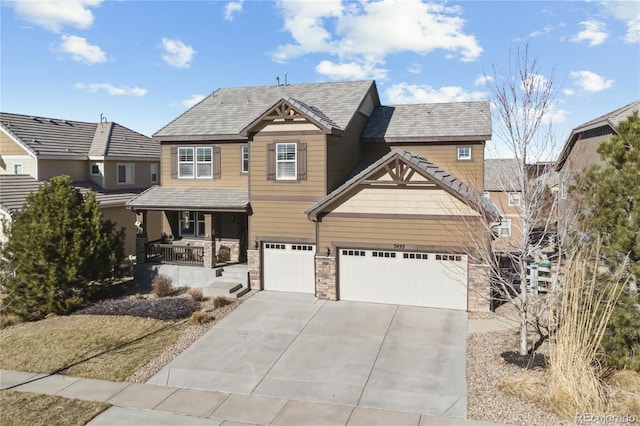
[[470, 172], [9, 147], [29, 164], [313, 185], [344, 153], [78, 170], [123, 218], [231, 175], [142, 175], [280, 219], [425, 232]]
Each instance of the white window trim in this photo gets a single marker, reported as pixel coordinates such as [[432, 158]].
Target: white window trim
[[21, 165], [294, 161], [197, 217], [91, 169], [486, 195], [244, 152], [129, 178], [519, 198], [197, 163], [464, 158], [507, 228], [190, 176], [153, 166]]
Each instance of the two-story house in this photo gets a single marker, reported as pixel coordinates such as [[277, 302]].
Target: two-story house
[[112, 160], [580, 153], [502, 186], [325, 191]]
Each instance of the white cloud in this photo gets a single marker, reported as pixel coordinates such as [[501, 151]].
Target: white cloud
[[351, 70], [629, 12], [482, 80], [232, 8], [404, 93], [415, 69], [111, 90], [547, 29], [569, 92], [594, 32], [590, 81], [194, 99], [367, 32], [176, 53], [80, 50], [54, 15]]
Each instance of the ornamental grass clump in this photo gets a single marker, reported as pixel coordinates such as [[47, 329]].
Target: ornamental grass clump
[[575, 361]]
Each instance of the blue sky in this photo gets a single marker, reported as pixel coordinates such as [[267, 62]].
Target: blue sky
[[142, 63]]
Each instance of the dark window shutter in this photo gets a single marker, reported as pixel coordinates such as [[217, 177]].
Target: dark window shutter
[[302, 161], [217, 164], [271, 161], [174, 162]]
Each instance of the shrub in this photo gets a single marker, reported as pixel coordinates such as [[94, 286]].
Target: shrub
[[621, 340], [220, 301], [166, 308], [162, 286], [200, 317], [196, 294]]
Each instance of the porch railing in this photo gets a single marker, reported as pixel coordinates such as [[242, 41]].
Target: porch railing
[[175, 253]]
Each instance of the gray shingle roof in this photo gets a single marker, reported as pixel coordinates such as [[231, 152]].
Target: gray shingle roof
[[611, 119], [14, 190], [501, 174], [227, 111], [437, 175], [164, 198], [68, 138], [429, 122]]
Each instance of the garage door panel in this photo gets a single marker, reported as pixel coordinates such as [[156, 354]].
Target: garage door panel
[[289, 267], [404, 278]]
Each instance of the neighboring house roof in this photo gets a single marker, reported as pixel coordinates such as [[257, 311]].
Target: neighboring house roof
[[502, 174], [58, 138], [14, 190], [227, 111], [611, 119], [214, 199], [434, 173], [455, 121]]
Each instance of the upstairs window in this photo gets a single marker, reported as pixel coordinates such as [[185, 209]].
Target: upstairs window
[[18, 168], [200, 162], [505, 228], [185, 162], [95, 169], [126, 173], [245, 159], [464, 153], [153, 172], [286, 161], [514, 198]]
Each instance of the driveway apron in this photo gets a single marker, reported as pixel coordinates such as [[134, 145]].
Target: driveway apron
[[294, 346]]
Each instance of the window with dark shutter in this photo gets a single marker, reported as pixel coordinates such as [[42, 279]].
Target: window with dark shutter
[[217, 163], [174, 162], [302, 161], [271, 161]]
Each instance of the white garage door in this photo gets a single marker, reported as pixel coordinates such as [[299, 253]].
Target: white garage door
[[404, 278], [289, 267]]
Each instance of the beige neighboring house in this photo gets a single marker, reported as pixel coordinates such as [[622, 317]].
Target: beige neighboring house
[[112, 160], [579, 154], [502, 188], [323, 190]]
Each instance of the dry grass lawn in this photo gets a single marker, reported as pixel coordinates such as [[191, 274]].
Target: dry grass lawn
[[30, 409], [92, 346]]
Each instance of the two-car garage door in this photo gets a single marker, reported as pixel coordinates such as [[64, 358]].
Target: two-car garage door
[[404, 278]]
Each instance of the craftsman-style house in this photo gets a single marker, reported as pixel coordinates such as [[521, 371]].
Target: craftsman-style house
[[323, 190], [112, 160]]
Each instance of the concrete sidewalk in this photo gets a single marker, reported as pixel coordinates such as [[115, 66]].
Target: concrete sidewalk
[[144, 404]]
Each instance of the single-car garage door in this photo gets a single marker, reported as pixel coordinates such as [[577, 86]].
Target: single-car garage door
[[404, 278], [289, 267]]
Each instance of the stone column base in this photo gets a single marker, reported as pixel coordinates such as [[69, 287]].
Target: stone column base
[[254, 269], [141, 248], [479, 288], [326, 278]]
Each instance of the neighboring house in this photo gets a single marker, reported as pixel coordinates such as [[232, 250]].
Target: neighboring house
[[502, 187], [325, 191], [579, 154], [114, 161]]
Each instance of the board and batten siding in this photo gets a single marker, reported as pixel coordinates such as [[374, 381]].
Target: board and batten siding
[[584, 153], [394, 232], [231, 175]]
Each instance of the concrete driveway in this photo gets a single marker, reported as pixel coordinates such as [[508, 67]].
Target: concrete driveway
[[293, 346]]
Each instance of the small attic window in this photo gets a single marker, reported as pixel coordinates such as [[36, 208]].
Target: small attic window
[[464, 153]]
